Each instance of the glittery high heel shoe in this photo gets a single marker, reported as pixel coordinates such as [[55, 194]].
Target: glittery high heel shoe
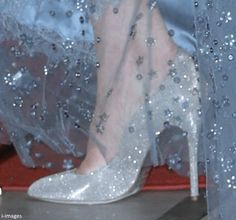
[[177, 103]]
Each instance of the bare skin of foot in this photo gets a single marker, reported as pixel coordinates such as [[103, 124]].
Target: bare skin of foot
[[120, 87]]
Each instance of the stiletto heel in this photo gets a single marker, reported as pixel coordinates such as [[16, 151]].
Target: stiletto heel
[[193, 166], [125, 173], [193, 157], [181, 108]]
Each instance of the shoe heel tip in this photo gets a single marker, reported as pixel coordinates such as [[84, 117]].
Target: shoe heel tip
[[194, 198]]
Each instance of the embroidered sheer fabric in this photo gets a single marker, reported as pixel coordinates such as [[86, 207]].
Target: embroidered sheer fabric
[[53, 53], [215, 32]]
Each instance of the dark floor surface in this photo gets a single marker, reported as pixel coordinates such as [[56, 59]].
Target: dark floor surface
[[147, 205]]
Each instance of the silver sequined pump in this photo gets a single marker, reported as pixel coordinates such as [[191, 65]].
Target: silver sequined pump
[[125, 174]]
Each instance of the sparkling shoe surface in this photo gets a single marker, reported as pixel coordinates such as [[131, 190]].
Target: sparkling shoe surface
[[124, 175], [112, 182]]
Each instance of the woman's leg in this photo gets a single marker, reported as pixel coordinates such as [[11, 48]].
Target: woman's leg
[[127, 51]]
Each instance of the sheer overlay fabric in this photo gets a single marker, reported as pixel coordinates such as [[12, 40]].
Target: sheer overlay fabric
[[84, 76], [215, 31]]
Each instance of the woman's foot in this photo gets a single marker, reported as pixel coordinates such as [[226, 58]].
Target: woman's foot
[[93, 161]]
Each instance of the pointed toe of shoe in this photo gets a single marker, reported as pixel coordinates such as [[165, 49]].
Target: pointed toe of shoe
[[34, 190], [51, 188], [41, 189]]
